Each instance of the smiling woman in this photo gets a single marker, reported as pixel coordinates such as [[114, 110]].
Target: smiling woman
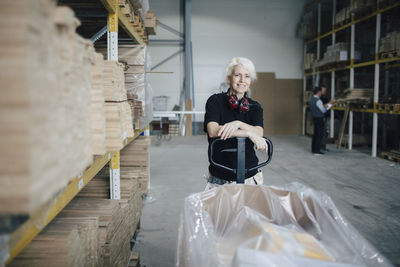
[[234, 114]]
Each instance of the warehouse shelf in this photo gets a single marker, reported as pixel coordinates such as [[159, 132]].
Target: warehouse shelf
[[352, 22], [337, 75], [113, 8], [22, 236]]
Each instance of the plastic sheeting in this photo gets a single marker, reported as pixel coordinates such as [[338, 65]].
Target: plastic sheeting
[[251, 225], [148, 106]]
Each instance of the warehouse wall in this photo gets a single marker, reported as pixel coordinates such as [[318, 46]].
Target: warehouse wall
[[264, 31]]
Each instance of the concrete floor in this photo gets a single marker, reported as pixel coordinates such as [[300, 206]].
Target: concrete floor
[[366, 190]]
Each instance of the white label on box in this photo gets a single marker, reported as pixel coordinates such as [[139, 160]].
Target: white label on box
[[109, 156], [80, 184], [343, 55], [124, 135]]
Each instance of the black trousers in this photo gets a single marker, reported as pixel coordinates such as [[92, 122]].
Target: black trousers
[[318, 134]]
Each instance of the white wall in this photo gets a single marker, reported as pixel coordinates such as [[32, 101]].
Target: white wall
[[262, 30]]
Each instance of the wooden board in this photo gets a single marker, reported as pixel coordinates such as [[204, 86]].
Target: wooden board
[[343, 126], [134, 162]]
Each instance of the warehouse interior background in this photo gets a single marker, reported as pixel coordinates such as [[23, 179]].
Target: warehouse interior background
[[104, 158]]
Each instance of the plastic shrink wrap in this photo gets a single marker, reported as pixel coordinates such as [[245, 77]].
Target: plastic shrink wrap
[[250, 225]]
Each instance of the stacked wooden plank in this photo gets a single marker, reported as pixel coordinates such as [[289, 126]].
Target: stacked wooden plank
[[115, 134], [44, 103], [131, 207], [97, 106], [113, 242], [64, 242], [127, 119], [356, 95], [150, 23], [114, 87], [134, 162], [118, 120]]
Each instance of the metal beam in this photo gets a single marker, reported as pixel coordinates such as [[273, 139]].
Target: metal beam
[[166, 42], [166, 59], [98, 35], [188, 36], [170, 29]]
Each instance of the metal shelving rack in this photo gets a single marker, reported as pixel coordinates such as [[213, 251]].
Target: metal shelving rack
[[16, 241], [376, 63]]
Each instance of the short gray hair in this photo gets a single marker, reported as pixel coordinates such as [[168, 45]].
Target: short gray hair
[[245, 62]]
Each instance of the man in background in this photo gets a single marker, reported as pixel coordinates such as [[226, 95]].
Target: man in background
[[318, 110]]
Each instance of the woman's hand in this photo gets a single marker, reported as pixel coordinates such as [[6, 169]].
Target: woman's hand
[[228, 129], [259, 142]]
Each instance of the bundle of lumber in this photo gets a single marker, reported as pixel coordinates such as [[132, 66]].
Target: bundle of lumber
[[131, 197], [131, 208], [45, 103], [119, 125], [150, 23], [114, 86], [97, 106], [134, 162], [64, 242], [113, 239], [115, 134], [356, 95], [127, 120]]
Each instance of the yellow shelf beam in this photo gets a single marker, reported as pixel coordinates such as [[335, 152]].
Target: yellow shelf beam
[[21, 237], [113, 7]]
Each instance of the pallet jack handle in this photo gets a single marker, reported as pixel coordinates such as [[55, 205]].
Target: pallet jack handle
[[241, 157]]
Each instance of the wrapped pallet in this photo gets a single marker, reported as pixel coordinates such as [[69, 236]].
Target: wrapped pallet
[[253, 225], [44, 103]]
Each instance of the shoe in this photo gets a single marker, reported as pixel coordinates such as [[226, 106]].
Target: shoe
[[319, 153]]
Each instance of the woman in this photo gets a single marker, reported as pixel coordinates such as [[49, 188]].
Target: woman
[[234, 114]]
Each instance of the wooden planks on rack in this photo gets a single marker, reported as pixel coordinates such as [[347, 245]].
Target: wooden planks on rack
[[45, 103], [134, 162], [64, 242], [114, 85], [97, 107]]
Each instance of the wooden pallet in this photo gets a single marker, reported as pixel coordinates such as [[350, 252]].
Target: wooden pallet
[[388, 107], [390, 54], [393, 155]]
